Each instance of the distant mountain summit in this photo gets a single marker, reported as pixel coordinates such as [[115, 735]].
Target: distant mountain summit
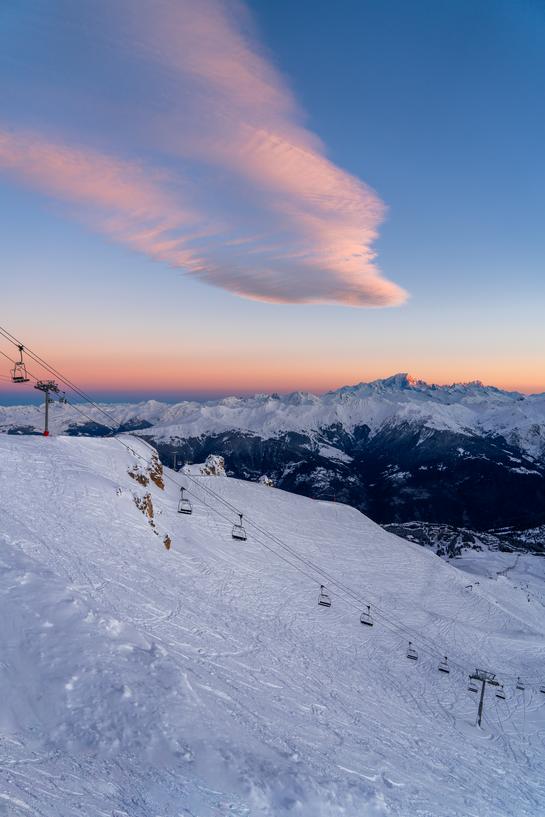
[[398, 448]]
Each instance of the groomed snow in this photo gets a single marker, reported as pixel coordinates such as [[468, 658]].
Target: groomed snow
[[205, 680]]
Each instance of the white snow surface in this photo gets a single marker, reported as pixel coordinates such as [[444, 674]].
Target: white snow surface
[[205, 680], [466, 408]]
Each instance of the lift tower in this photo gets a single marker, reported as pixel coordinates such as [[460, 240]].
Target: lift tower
[[484, 677], [47, 386]]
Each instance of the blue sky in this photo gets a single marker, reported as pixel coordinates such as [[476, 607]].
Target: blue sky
[[439, 106], [436, 106]]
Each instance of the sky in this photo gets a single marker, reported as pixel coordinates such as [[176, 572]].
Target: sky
[[201, 198]]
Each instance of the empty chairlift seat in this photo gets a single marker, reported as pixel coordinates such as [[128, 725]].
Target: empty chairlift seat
[[239, 532], [542, 688], [520, 685], [411, 652], [443, 665], [500, 693], [19, 373], [472, 686], [365, 617], [324, 598], [184, 505]]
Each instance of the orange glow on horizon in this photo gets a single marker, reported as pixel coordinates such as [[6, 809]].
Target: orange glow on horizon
[[232, 375]]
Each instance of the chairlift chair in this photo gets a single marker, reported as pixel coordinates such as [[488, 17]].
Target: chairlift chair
[[238, 531], [19, 373], [542, 688], [500, 693], [520, 685], [443, 665], [184, 505], [411, 652], [365, 617], [472, 686], [324, 598]]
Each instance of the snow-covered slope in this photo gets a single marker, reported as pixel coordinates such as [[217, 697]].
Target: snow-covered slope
[[204, 679]]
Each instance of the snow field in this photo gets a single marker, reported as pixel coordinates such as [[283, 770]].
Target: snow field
[[205, 680]]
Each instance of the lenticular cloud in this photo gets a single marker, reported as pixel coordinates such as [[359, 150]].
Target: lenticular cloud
[[233, 189]]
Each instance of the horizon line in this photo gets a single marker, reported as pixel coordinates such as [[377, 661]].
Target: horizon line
[[8, 393]]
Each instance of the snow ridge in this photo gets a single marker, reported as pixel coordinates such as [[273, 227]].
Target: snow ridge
[[464, 408]]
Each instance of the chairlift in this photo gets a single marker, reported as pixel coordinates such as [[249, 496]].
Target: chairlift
[[472, 686], [365, 617], [500, 693], [19, 373], [184, 505], [324, 598], [520, 685], [542, 688], [443, 665], [238, 531], [411, 652]]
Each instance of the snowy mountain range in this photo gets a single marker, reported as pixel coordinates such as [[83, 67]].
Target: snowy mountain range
[[398, 449], [153, 665]]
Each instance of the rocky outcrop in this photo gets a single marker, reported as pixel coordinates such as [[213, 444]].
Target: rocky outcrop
[[145, 504], [152, 471], [213, 466]]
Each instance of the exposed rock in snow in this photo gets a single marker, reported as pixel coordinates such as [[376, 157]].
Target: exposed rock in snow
[[265, 480], [145, 504], [152, 470], [214, 466], [138, 473]]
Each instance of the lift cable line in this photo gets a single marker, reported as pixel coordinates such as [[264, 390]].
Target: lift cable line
[[200, 486], [349, 595], [390, 624], [353, 597], [20, 374], [296, 567]]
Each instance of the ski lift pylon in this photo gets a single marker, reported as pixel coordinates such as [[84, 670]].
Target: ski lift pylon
[[19, 373], [238, 531], [184, 505], [443, 665], [324, 598], [366, 618], [411, 652]]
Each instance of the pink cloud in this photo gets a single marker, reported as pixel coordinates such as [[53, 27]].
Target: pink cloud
[[123, 199], [267, 216], [248, 123]]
